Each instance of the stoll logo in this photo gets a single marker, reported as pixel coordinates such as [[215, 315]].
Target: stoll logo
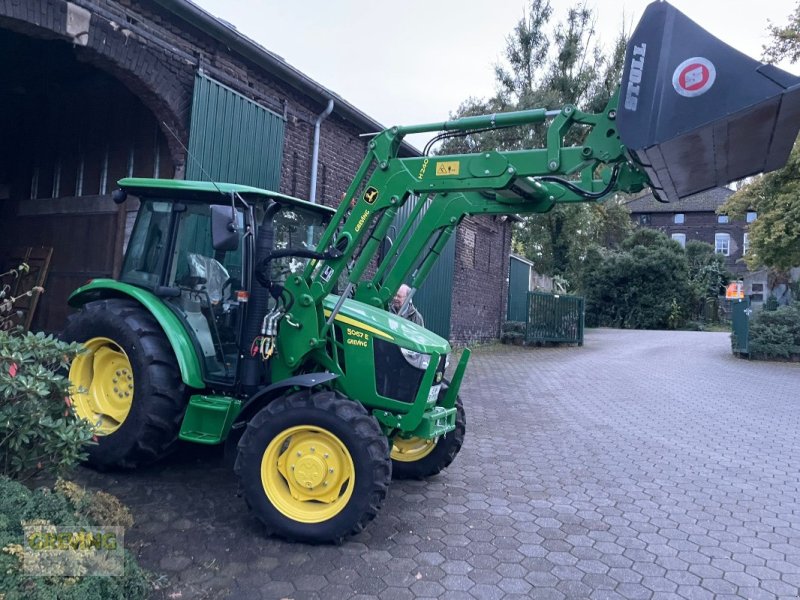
[[635, 77]]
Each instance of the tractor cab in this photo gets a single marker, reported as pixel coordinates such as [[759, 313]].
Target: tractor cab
[[192, 247]]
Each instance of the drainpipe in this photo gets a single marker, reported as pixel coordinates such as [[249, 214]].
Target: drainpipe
[[315, 153]]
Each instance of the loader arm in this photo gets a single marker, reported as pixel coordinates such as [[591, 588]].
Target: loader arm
[[692, 113]]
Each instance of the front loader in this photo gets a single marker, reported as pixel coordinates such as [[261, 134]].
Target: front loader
[[252, 319]]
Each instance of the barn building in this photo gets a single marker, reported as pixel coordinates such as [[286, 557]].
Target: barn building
[[96, 90]]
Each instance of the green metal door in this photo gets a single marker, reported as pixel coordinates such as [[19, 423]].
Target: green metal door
[[519, 277], [740, 320], [435, 298], [232, 138]]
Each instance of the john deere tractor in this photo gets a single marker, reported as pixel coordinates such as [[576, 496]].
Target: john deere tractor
[[256, 320]]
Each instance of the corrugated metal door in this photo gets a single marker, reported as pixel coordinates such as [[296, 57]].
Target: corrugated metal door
[[519, 273], [435, 298], [232, 138]]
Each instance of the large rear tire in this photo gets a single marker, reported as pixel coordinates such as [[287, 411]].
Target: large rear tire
[[417, 458], [133, 394], [314, 466]]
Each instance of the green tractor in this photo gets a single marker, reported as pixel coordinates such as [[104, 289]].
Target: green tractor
[[259, 321]]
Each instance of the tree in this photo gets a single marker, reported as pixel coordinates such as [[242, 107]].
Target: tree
[[707, 276], [775, 198], [785, 42], [548, 70], [644, 285]]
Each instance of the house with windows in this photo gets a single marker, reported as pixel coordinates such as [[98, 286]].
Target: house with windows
[[695, 218]]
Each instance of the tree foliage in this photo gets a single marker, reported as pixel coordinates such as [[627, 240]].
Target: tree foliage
[[775, 234], [784, 40], [643, 285], [549, 65]]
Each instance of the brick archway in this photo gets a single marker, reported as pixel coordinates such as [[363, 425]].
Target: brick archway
[[162, 82]]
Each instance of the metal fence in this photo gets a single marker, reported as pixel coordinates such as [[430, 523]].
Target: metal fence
[[554, 318]]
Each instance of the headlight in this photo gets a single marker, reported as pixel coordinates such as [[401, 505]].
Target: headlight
[[416, 359]]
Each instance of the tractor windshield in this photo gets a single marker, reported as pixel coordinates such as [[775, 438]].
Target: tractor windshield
[[296, 229]]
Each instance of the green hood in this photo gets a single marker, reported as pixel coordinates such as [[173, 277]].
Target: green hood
[[387, 326]]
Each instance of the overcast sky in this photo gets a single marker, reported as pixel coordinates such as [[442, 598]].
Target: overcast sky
[[415, 61]]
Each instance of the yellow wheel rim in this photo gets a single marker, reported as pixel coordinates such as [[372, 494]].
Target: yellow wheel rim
[[411, 449], [102, 379], [308, 474]]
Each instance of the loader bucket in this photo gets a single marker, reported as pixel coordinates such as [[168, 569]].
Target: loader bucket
[[696, 113]]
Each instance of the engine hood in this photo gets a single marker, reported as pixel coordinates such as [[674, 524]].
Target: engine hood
[[387, 326]]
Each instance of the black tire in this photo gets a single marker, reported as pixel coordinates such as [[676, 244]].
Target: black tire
[[442, 455], [159, 395], [357, 431]]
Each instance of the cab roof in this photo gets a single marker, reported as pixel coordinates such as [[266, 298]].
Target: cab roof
[[208, 191]]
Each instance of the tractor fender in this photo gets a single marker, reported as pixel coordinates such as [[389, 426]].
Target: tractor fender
[[174, 329], [269, 393], [264, 397]]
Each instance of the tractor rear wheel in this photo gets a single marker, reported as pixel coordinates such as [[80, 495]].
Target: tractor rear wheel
[[418, 458], [314, 466], [131, 386]]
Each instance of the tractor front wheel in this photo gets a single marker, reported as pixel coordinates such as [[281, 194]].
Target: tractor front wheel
[[314, 466], [418, 458], [126, 383]]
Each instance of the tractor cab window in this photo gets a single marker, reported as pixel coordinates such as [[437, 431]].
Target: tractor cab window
[[147, 248], [207, 280], [296, 229]]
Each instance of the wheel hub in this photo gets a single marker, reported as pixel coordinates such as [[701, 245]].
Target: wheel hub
[[102, 377], [411, 449], [307, 473]]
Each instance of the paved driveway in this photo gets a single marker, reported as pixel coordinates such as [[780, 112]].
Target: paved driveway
[[643, 465]]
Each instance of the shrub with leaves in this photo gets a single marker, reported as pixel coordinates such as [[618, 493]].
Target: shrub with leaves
[[67, 505], [644, 285], [9, 317], [39, 431], [775, 334]]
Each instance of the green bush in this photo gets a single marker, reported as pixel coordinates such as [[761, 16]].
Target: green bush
[[512, 332], [645, 285], [67, 505], [776, 333], [39, 431]]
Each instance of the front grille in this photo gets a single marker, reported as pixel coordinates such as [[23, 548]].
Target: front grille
[[394, 377]]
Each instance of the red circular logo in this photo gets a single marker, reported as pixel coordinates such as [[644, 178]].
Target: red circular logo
[[694, 76]]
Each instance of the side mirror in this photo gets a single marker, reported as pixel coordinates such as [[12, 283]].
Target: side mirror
[[224, 230]]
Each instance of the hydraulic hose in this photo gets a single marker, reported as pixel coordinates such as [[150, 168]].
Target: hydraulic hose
[[252, 372]]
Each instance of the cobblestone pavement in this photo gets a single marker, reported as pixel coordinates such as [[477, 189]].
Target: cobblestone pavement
[[642, 465]]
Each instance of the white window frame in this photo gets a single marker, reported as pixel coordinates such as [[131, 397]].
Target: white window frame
[[745, 243], [751, 216], [679, 218], [680, 238], [722, 243]]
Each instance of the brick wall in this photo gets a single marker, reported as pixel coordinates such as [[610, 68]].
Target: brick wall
[[341, 150], [156, 55], [480, 279]]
